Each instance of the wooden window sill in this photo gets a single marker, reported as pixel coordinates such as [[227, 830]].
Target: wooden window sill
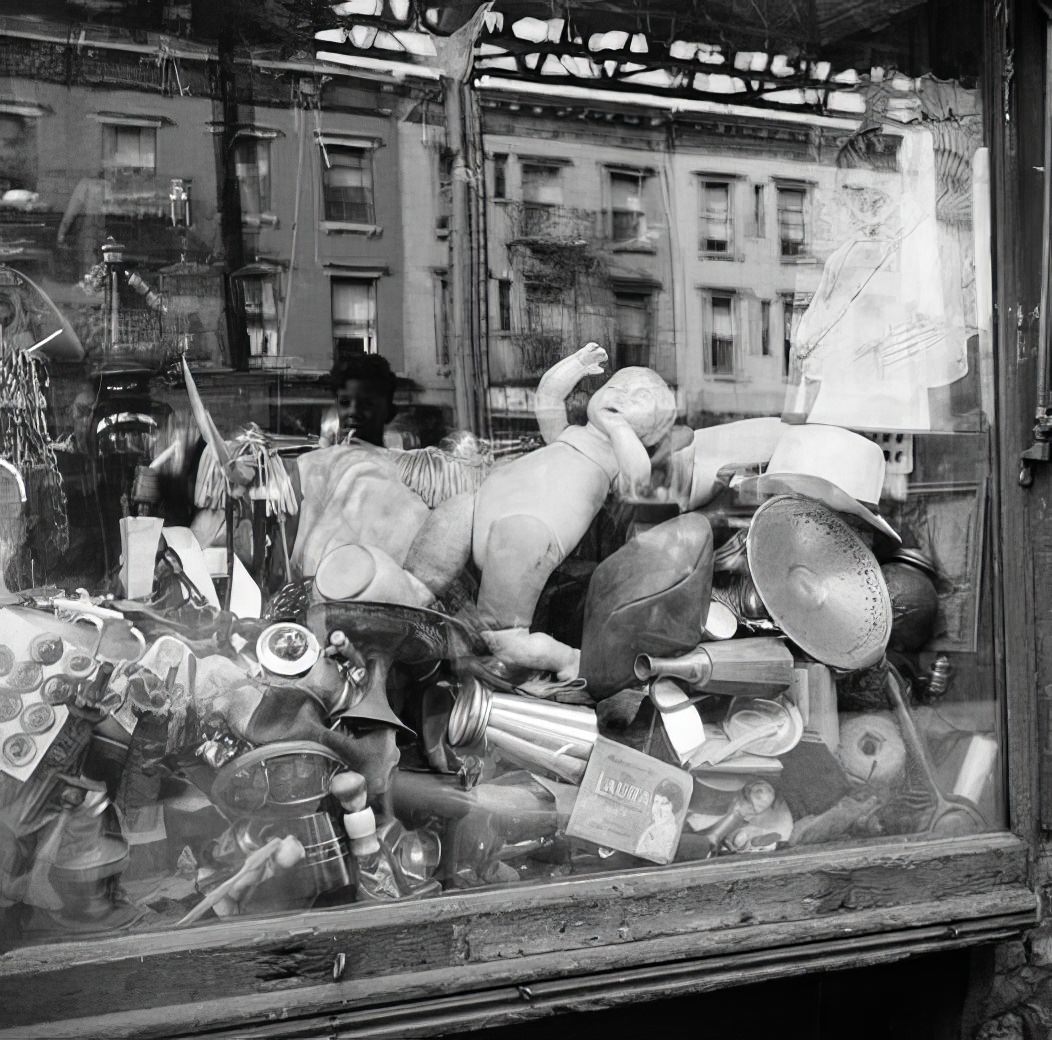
[[487, 956]]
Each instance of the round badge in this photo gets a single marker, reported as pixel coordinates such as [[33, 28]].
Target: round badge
[[287, 649], [38, 718], [24, 677], [19, 750], [59, 689], [10, 706], [80, 664], [7, 659], [46, 648]]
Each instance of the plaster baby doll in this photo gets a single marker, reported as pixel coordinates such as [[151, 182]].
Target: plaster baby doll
[[531, 513]]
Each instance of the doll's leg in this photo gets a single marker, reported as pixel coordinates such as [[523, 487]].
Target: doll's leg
[[521, 554], [442, 546]]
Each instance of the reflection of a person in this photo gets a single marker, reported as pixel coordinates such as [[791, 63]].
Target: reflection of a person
[[88, 203], [364, 386], [658, 841]]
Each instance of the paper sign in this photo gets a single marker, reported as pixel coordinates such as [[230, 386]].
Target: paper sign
[[139, 538], [631, 802]]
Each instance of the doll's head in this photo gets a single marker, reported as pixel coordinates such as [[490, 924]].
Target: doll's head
[[641, 397]]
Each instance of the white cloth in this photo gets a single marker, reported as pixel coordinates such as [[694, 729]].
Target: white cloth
[[353, 495], [882, 328]]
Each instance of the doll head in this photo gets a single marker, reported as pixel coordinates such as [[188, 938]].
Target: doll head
[[641, 397]]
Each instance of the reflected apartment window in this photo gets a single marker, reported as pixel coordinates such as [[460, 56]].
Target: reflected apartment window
[[633, 329], [627, 214], [504, 305], [542, 192], [259, 294], [759, 211], [719, 324], [500, 176], [793, 307], [443, 310], [347, 185], [542, 184], [129, 149], [792, 229], [716, 223], [353, 316], [252, 167], [444, 203], [765, 328]]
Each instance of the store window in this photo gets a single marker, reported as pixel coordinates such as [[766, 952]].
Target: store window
[[678, 560], [717, 220], [353, 316], [347, 185]]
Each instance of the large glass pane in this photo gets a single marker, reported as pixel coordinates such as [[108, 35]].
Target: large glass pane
[[640, 515]]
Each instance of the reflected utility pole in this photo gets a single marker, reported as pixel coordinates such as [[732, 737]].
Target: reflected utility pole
[[466, 249]]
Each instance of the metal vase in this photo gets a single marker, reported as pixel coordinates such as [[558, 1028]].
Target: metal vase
[[546, 735], [735, 666]]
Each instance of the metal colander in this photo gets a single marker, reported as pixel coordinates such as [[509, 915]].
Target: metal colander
[[819, 582]]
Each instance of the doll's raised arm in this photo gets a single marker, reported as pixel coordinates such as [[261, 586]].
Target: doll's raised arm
[[550, 404]]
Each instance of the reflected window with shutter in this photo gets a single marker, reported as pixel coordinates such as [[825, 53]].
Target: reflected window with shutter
[[252, 168], [627, 213], [129, 149], [716, 218], [792, 228], [347, 185], [633, 317], [353, 316], [259, 296], [719, 329]]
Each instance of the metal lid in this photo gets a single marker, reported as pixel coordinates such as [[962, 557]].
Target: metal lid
[[819, 582]]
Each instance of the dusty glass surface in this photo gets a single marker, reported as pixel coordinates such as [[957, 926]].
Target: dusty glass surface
[[442, 450]]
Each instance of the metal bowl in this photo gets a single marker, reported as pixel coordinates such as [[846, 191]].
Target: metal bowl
[[819, 582]]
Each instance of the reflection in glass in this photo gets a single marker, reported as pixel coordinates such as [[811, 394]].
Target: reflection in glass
[[705, 578]]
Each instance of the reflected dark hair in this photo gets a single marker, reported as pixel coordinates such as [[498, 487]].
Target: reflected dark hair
[[672, 792], [368, 368]]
